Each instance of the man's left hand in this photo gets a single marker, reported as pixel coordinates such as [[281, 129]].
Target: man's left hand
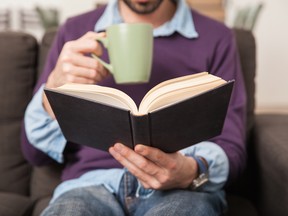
[[154, 168]]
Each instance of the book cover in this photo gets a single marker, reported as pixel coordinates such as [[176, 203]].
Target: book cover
[[170, 128]]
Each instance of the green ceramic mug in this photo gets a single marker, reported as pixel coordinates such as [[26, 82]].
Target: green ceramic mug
[[130, 50]]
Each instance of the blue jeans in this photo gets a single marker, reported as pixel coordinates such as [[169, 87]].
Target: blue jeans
[[97, 200]]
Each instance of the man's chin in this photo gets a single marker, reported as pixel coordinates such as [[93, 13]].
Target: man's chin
[[143, 7]]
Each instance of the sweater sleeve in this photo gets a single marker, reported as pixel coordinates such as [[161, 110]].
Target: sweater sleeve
[[43, 132], [226, 64], [32, 154]]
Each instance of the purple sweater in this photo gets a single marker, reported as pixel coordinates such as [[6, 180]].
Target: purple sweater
[[214, 51]]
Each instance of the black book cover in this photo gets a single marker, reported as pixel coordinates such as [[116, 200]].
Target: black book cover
[[170, 129]]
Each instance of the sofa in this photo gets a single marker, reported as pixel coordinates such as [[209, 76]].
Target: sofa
[[26, 190]]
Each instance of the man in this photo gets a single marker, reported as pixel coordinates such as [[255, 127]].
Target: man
[[152, 182]]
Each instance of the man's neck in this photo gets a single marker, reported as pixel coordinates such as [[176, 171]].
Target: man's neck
[[164, 13]]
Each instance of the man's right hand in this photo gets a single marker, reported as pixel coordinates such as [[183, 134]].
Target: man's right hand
[[74, 67]]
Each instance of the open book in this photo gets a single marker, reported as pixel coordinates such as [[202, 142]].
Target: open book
[[173, 115]]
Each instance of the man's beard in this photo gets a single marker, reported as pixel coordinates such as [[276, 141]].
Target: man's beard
[[143, 8]]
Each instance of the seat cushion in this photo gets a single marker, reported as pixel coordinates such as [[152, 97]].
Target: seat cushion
[[44, 180], [15, 205], [40, 205], [238, 206], [271, 147]]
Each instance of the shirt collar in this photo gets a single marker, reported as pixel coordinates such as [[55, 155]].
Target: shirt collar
[[182, 21]]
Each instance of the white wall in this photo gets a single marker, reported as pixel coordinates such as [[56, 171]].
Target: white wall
[[72, 7], [271, 34], [16, 5], [272, 37], [67, 8]]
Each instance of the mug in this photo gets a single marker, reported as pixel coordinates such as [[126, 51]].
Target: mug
[[130, 50]]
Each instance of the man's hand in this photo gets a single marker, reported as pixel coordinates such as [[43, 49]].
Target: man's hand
[[74, 67], [154, 168]]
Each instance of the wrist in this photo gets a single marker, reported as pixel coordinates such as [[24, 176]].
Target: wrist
[[193, 167], [201, 173], [50, 83], [46, 105]]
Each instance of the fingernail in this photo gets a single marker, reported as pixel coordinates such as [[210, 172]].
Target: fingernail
[[118, 147], [139, 148]]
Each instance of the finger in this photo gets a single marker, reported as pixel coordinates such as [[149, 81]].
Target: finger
[[102, 72], [123, 155], [141, 162], [80, 60], [157, 156], [84, 46], [92, 36], [71, 70], [80, 80], [86, 63]]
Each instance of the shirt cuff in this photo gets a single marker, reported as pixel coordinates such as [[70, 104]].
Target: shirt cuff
[[218, 163], [42, 131]]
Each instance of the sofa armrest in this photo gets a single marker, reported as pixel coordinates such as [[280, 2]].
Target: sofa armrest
[[271, 148]]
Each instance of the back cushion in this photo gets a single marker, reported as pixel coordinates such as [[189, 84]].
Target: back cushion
[[45, 179], [247, 52], [245, 186], [18, 60], [44, 49]]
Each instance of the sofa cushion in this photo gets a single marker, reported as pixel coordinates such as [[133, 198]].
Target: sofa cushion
[[238, 206], [40, 205], [15, 205], [18, 62], [271, 153], [44, 180], [44, 49], [247, 53], [14, 170]]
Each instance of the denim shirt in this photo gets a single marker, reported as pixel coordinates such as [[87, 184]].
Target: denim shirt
[[36, 116]]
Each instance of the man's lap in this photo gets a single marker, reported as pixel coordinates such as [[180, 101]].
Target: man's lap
[[97, 200]]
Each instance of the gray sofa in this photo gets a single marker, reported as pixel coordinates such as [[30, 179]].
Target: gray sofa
[[26, 190]]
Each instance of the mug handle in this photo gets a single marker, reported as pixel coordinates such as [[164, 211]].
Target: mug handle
[[104, 41]]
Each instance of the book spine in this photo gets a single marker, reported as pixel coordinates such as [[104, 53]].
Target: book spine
[[140, 130]]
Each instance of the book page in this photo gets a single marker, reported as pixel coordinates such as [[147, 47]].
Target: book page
[[180, 95], [178, 90], [105, 95], [172, 81], [163, 94]]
